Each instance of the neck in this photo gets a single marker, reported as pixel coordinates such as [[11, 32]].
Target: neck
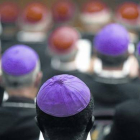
[[121, 71], [68, 60], [28, 92], [81, 136]]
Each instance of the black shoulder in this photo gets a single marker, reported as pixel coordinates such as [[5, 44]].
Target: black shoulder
[[128, 112]]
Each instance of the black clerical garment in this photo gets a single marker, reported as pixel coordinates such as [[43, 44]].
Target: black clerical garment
[[17, 120], [126, 124], [107, 96], [1, 94]]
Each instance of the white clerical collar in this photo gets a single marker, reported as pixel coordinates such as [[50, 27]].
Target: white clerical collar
[[117, 74], [89, 137], [41, 137]]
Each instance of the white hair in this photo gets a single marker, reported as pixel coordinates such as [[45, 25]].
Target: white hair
[[63, 57], [11, 81]]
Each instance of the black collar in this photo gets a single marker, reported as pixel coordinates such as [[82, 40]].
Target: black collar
[[20, 99]]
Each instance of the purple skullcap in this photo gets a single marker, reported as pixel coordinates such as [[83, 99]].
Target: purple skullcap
[[19, 60], [63, 96], [138, 53], [138, 49], [112, 40]]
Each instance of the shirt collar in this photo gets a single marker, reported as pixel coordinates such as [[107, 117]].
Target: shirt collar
[[111, 74], [41, 137]]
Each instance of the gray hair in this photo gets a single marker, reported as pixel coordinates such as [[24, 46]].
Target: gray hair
[[15, 82], [63, 57]]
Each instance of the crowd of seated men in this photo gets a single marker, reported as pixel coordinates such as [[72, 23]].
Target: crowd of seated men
[[64, 103], [71, 103], [65, 87]]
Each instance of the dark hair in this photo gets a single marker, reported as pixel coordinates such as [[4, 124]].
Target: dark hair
[[112, 61], [71, 128]]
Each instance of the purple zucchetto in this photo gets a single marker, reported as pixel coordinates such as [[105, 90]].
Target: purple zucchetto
[[112, 40], [138, 53], [63, 96], [138, 49], [19, 60]]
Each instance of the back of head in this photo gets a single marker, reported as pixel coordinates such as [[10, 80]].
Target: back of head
[[128, 14], [62, 42], [35, 17], [9, 12], [111, 45], [20, 66], [64, 108], [126, 123], [93, 7], [63, 11], [35, 12]]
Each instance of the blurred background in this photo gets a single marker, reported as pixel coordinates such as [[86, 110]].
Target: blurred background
[[39, 29], [49, 3]]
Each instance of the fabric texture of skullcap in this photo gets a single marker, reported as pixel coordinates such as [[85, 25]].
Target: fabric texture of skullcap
[[63, 96], [112, 40], [19, 60]]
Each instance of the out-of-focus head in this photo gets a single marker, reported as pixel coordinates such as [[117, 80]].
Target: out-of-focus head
[[62, 41], [64, 108], [35, 17], [128, 13], [9, 12], [20, 67], [35, 12], [63, 11], [93, 7], [112, 40], [96, 12], [111, 44], [94, 15]]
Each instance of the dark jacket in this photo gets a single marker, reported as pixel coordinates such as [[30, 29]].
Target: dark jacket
[[17, 120], [109, 95], [126, 125], [1, 94]]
